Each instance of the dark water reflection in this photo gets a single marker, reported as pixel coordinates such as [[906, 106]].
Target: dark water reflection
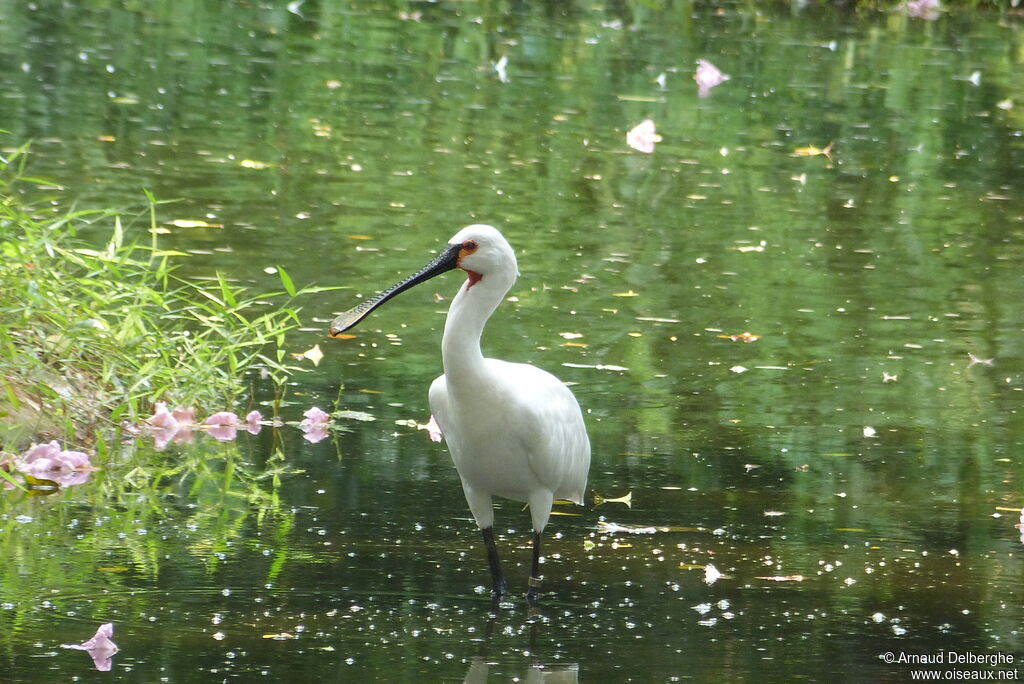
[[852, 475]]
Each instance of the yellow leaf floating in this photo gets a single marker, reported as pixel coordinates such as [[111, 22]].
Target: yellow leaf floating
[[253, 164], [783, 578], [812, 151], [624, 499], [627, 293]]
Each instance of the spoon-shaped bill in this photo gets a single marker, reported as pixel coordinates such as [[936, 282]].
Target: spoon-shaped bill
[[444, 262]]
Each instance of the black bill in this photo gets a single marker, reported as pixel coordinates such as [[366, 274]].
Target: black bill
[[444, 262]]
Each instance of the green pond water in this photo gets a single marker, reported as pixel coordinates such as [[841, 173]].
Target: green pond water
[[854, 474]]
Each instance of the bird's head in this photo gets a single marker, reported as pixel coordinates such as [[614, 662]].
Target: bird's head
[[483, 251], [480, 250]]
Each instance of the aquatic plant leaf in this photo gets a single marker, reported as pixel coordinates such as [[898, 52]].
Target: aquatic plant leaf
[[286, 280]]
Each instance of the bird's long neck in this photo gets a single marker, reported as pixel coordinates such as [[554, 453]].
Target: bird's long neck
[[460, 345]]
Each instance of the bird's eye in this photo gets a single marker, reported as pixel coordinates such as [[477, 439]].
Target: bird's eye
[[469, 246]]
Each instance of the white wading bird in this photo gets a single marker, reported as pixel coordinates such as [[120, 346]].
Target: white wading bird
[[513, 430]]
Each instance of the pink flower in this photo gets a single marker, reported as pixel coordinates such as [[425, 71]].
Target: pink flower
[[315, 425], [707, 77], [222, 418], [922, 9], [252, 422], [642, 137], [162, 418], [223, 426], [433, 430], [186, 417], [100, 647], [315, 418], [315, 433], [43, 459]]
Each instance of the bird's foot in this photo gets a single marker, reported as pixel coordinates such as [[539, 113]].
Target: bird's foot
[[499, 590], [533, 591]]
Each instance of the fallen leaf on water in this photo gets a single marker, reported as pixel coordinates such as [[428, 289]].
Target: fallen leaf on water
[[812, 151], [314, 354], [750, 248], [611, 528], [189, 223], [627, 293], [280, 636], [741, 337], [624, 499], [253, 164]]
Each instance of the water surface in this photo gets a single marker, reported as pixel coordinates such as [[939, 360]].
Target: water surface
[[854, 474]]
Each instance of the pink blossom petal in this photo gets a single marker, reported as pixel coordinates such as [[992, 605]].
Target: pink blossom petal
[[50, 451], [642, 137], [433, 430], [67, 478], [40, 467], [163, 436], [185, 416], [315, 418], [100, 647], [707, 77], [253, 422], [224, 433], [315, 433], [923, 9], [223, 418], [162, 418], [75, 460]]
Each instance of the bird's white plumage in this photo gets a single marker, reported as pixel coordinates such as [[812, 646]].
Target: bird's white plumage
[[513, 430]]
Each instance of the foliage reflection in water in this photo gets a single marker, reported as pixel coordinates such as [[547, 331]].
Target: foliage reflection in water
[[853, 475]]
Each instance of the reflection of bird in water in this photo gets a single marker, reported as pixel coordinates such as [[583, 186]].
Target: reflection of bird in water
[[537, 674], [479, 668], [513, 430]]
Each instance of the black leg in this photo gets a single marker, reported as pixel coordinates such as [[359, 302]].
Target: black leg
[[533, 593], [498, 586]]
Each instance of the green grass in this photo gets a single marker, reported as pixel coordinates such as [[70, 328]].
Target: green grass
[[92, 335]]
